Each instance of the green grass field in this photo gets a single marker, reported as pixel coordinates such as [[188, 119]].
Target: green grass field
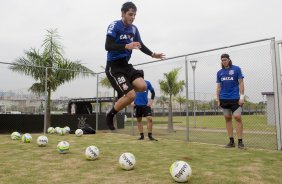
[[250, 122], [22, 163], [211, 129]]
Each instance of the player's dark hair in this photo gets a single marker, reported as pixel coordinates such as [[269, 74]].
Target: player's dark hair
[[128, 5], [227, 57]]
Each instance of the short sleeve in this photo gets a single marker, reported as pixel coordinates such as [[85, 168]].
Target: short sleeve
[[217, 77], [240, 74]]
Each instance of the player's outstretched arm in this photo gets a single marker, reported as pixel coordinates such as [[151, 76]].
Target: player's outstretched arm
[[147, 51], [158, 55]]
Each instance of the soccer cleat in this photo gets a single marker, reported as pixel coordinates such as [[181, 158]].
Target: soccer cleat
[[230, 145], [110, 122], [241, 145], [152, 139], [141, 138]]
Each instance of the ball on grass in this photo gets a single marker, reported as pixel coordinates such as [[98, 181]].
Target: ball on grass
[[92, 153], [57, 130], [67, 129], [180, 171], [15, 136], [78, 132], [51, 130], [63, 147], [61, 131], [42, 140], [26, 138], [127, 161]]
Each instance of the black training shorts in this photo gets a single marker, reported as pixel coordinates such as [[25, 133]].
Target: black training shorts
[[142, 111], [121, 74], [229, 104]]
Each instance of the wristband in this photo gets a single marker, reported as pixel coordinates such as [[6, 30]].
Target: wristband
[[153, 54], [242, 97]]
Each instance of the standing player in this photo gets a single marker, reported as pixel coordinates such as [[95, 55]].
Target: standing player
[[230, 96], [142, 108], [122, 38]]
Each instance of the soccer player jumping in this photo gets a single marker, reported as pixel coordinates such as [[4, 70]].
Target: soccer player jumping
[[122, 38]]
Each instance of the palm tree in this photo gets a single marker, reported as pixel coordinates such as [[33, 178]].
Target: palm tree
[[59, 69], [162, 100], [105, 82], [170, 86], [181, 100]]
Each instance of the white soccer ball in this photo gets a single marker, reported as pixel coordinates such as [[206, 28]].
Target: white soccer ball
[[92, 153], [57, 130], [127, 161], [15, 136], [180, 171], [51, 130], [62, 131], [26, 138], [67, 129], [63, 147], [42, 140], [78, 132]]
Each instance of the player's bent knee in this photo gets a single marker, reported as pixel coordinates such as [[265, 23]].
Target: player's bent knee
[[139, 85], [141, 88]]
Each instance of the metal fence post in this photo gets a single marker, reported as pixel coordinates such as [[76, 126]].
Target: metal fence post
[[193, 64], [187, 99], [97, 104], [276, 68], [46, 100]]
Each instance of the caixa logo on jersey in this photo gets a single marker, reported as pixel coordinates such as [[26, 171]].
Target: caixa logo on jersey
[[125, 37]]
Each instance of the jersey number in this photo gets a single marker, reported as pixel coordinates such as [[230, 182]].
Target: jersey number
[[121, 80]]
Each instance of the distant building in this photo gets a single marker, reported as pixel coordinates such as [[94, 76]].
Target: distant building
[[270, 107]]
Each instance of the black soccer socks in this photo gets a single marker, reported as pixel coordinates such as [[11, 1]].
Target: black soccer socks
[[141, 136], [151, 138], [110, 118]]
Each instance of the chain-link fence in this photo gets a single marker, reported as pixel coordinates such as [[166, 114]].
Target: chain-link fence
[[196, 118], [16, 95], [205, 119]]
